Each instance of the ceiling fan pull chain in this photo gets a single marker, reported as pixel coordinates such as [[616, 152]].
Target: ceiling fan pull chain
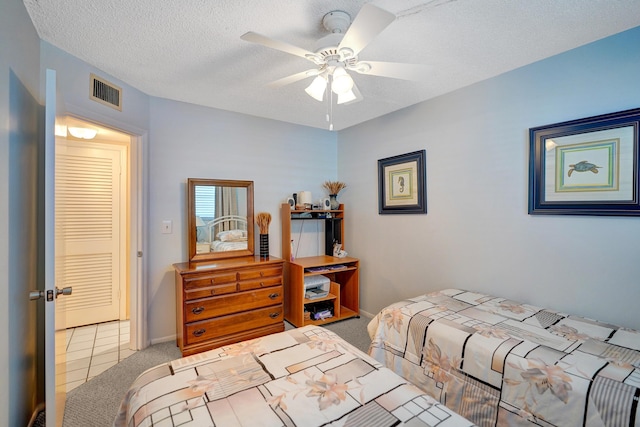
[[330, 114]]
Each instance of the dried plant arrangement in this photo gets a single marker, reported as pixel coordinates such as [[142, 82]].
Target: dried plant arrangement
[[263, 219], [334, 187]]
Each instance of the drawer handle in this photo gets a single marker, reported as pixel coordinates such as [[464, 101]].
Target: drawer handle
[[274, 295], [261, 284], [274, 315], [197, 310], [213, 291], [199, 332], [262, 274]]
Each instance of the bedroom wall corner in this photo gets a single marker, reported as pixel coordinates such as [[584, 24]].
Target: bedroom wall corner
[[189, 141]]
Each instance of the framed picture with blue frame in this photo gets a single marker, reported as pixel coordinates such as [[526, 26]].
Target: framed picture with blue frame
[[402, 184], [587, 166]]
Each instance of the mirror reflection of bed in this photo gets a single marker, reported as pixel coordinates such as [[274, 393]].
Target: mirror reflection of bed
[[226, 233], [221, 219]]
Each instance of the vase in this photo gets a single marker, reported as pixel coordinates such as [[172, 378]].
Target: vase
[[333, 198], [264, 246]]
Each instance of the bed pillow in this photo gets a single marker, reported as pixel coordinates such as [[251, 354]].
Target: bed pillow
[[230, 235]]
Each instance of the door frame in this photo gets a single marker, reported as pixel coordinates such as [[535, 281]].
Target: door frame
[[138, 209]]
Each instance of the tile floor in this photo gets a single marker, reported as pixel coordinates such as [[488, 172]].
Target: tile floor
[[94, 348]]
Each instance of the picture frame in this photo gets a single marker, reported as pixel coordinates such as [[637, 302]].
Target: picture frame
[[587, 166], [402, 184]]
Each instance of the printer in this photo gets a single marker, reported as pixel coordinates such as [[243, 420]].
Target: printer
[[316, 286]]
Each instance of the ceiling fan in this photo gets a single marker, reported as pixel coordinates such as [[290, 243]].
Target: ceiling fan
[[337, 53]]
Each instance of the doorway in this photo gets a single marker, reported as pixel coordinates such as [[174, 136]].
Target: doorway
[[92, 193]]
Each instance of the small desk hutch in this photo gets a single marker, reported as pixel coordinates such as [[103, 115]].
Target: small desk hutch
[[343, 296]]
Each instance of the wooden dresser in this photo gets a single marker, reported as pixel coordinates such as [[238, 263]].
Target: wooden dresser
[[226, 301]]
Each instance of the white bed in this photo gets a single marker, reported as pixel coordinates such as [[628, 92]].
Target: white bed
[[305, 377], [226, 233]]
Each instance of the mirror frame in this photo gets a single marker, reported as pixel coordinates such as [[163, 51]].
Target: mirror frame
[[191, 219]]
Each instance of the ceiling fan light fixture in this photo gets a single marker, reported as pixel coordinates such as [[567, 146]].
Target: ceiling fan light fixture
[[342, 81], [344, 98], [317, 88]]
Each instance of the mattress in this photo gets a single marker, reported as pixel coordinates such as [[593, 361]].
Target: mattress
[[503, 363], [301, 377]]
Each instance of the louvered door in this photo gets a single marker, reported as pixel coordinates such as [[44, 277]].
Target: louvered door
[[89, 229]]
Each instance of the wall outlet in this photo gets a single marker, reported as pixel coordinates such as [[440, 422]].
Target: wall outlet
[[167, 226]]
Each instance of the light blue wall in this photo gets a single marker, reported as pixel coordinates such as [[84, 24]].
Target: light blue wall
[[185, 141], [477, 234], [19, 114], [73, 89], [188, 141]]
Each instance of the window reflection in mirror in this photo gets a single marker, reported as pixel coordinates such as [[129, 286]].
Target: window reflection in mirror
[[221, 219]]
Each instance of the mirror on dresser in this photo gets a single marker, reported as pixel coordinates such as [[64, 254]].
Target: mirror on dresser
[[219, 219]]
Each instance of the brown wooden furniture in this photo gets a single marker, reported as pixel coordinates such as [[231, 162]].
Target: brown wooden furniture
[[227, 301], [241, 191], [344, 273]]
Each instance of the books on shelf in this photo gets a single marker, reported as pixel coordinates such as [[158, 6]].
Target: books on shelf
[[325, 268]]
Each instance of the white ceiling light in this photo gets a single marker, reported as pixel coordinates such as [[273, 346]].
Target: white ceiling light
[[317, 88], [341, 81], [82, 133], [346, 97]]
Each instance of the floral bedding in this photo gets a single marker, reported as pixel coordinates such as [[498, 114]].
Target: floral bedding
[[301, 377], [502, 363]]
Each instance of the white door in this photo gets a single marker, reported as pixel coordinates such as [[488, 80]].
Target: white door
[[89, 231], [54, 327]]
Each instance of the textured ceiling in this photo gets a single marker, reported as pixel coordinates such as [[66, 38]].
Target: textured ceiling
[[191, 51]]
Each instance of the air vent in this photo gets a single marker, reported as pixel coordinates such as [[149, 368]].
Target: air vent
[[106, 93]]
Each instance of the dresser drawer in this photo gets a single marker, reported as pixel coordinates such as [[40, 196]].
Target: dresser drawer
[[197, 332], [228, 304], [258, 273], [260, 283], [206, 280], [203, 292]]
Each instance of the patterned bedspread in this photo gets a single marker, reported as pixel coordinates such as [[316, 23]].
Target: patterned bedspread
[[501, 363], [301, 377]]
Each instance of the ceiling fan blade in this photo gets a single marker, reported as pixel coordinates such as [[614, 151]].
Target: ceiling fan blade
[[294, 78], [394, 70], [278, 45], [370, 22]]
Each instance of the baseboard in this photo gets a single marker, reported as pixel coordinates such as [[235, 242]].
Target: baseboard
[[163, 339], [366, 314]]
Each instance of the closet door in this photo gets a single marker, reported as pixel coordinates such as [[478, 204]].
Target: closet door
[[89, 229]]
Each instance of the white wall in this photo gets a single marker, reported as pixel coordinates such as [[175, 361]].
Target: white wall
[[189, 141], [19, 110], [477, 234]]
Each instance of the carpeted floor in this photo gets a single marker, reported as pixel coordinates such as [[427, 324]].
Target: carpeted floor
[[96, 402]]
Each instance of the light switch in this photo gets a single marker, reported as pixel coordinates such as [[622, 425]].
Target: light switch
[[167, 226]]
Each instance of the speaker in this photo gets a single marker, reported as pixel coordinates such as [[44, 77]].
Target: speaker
[[326, 204], [292, 202]]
